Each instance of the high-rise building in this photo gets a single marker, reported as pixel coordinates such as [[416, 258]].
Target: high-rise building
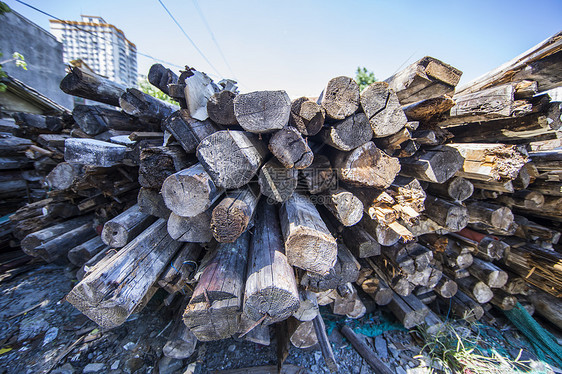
[[100, 45]]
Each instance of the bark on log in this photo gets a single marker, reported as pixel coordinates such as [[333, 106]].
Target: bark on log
[[231, 217], [277, 182], [307, 116], [262, 111], [120, 230], [382, 109], [91, 86], [349, 133], [340, 98], [290, 148]]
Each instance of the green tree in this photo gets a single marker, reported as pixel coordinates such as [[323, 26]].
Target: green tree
[[364, 77], [16, 57], [146, 87]]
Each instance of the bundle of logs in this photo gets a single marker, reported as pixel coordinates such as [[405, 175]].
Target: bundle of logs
[[251, 209]]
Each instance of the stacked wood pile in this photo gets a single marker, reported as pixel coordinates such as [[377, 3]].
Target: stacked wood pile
[[254, 209]]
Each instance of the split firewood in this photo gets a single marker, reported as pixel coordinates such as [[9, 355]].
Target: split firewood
[[198, 89], [307, 116], [262, 111], [340, 98], [195, 229], [426, 109], [276, 181], [231, 217], [271, 289], [348, 134], [81, 83], [122, 229], [308, 307], [220, 108], [382, 108], [290, 148]]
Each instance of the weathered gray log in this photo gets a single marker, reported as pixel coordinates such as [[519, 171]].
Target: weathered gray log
[[190, 192], [382, 109], [151, 202], [160, 77], [301, 333], [523, 200], [548, 306], [319, 176], [377, 288], [424, 79], [82, 83], [456, 188], [290, 148], [80, 254], [262, 111], [93, 152], [259, 334], [271, 289], [360, 242], [345, 206], [345, 270], [446, 288], [15, 163], [349, 133], [488, 273], [59, 246], [340, 98], [307, 116], [325, 346], [466, 308], [436, 165], [476, 289], [231, 158], [181, 342], [503, 300], [12, 145], [409, 310], [220, 108], [37, 122], [308, 307], [116, 287], [231, 217], [426, 109], [367, 353], [452, 216], [94, 120], [103, 255], [188, 131], [383, 234], [158, 163], [120, 230], [308, 243], [276, 181], [366, 166], [139, 104], [496, 216], [195, 229], [64, 175]]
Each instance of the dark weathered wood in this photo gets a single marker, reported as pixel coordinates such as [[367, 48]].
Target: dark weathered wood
[[367, 353], [345, 206], [80, 254], [277, 182], [307, 116], [231, 158], [116, 287], [308, 307], [488, 273], [12, 145], [220, 108], [546, 187], [348, 134], [82, 83], [93, 152], [160, 77], [446, 287], [188, 131], [382, 109], [476, 289], [523, 200], [262, 111], [182, 268], [64, 175], [377, 288], [436, 165], [547, 306], [15, 163], [139, 104], [120, 230], [503, 300], [366, 166], [319, 176], [452, 216], [190, 192], [383, 234], [466, 308], [308, 243], [325, 346], [424, 79], [37, 122], [291, 149], [59, 246], [271, 289], [258, 334], [530, 230], [181, 341], [158, 163], [360, 242], [340, 98], [151, 202], [496, 216], [301, 333], [456, 188], [195, 229], [231, 217], [409, 310], [94, 120], [426, 109]]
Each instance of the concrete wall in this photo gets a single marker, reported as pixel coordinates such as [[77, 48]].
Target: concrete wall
[[42, 52]]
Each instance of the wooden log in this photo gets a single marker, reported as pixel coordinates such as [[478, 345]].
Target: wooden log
[[382, 109], [220, 108], [58, 247], [180, 273], [42, 236], [12, 145], [319, 176], [456, 188], [196, 229], [547, 306], [262, 111], [103, 255], [340, 98], [15, 162], [116, 287], [531, 231], [307, 116], [231, 217], [476, 289], [80, 254], [348, 303], [546, 187], [188, 131], [308, 307], [383, 234], [94, 120], [259, 334], [466, 308], [308, 243], [290, 148], [391, 144], [516, 285], [93, 152], [231, 158], [271, 289], [488, 273], [345, 206], [181, 342], [349, 133], [426, 109], [360, 242], [437, 165], [523, 200], [366, 166], [496, 216], [325, 346], [190, 192], [424, 79], [141, 105], [502, 186], [452, 216], [277, 182], [160, 77], [359, 344], [64, 175], [158, 163], [301, 333], [198, 90], [120, 230], [503, 300], [446, 288], [378, 290], [37, 122], [409, 310], [391, 276], [151, 202], [82, 83]]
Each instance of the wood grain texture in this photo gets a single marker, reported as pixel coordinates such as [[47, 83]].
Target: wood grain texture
[[340, 98], [262, 111]]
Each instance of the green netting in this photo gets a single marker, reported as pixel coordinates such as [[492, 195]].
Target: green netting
[[546, 346]]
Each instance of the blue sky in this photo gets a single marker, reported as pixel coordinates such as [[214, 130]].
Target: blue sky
[[299, 45]]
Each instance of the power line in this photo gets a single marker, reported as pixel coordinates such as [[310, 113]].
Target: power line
[[188, 38], [96, 35], [213, 36]]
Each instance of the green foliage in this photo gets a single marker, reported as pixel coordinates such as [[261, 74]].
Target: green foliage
[[19, 61], [364, 77], [146, 87], [4, 8]]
